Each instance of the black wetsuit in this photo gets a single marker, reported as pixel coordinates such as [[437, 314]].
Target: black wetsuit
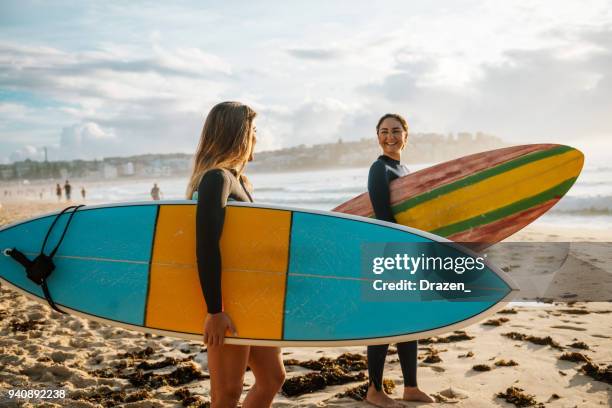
[[382, 172], [216, 188]]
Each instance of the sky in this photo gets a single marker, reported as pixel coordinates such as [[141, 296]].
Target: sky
[[96, 79]]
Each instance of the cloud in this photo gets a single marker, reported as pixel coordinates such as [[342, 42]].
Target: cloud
[[116, 73], [12, 111], [77, 135], [82, 140], [107, 102], [27, 152], [546, 94], [316, 54], [315, 121]]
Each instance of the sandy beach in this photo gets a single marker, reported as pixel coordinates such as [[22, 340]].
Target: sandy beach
[[557, 355]]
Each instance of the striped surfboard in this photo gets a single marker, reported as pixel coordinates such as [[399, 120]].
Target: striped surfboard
[[291, 277], [482, 198]]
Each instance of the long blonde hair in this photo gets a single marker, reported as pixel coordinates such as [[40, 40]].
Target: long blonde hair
[[225, 142]]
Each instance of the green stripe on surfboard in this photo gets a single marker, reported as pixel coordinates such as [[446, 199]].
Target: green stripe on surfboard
[[518, 206], [482, 175]]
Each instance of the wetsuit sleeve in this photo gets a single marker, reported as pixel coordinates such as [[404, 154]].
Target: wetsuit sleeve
[[378, 188], [213, 191]]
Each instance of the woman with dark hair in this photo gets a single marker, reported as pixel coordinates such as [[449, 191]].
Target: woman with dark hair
[[226, 145], [392, 132]]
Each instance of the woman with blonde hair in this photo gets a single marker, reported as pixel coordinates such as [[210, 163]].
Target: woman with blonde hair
[[225, 147]]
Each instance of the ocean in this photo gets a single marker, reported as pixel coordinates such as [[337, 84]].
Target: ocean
[[587, 204]]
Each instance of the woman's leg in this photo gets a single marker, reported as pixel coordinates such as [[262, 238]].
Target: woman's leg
[[407, 353], [376, 366], [269, 371], [226, 364]]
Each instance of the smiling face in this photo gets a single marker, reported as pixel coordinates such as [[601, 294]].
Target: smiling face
[[392, 138]]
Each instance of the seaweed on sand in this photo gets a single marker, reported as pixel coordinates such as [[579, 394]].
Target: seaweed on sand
[[506, 363], [347, 361], [542, 341], [189, 400], [459, 335], [108, 397], [182, 375], [481, 367], [17, 326], [312, 382], [496, 322], [516, 396], [359, 392], [575, 357], [597, 372]]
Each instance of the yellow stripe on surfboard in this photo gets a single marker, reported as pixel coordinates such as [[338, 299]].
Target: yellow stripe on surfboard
[[254, 239], [492, 193]]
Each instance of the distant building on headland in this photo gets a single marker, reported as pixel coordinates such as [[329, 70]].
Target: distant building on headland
[[422, 148]]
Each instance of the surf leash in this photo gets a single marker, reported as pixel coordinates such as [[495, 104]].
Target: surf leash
[[39, 269]]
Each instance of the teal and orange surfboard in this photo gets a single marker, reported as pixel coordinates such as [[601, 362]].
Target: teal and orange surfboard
[[482, 198], [290, 277]]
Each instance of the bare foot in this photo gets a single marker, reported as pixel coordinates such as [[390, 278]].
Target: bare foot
[[414, 394], [381, 399]]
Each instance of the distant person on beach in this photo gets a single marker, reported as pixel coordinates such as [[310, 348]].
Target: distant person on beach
[[83, 192], [58, 192], [392, 133], [226, 145], [67, 190], [155, 192]]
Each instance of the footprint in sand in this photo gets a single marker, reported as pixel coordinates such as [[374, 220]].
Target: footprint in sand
[[41, 372], [435, 368], [60, 356]]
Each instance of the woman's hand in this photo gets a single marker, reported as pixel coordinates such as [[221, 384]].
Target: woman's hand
[[215, 327]]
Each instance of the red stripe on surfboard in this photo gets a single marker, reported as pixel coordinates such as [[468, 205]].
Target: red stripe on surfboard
[[444, 173], [496, 231]]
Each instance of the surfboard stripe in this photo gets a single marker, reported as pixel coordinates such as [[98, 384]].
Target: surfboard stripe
[[495, 231], [287, 275], [146, 303], [500, 213], [480, 176], [253, 239], [174, 302], [454, 170], [491, 193]]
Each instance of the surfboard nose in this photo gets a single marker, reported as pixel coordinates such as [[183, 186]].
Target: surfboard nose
[[327, 300]]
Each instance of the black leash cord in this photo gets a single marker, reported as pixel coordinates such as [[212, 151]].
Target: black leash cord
[[41, 267]]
